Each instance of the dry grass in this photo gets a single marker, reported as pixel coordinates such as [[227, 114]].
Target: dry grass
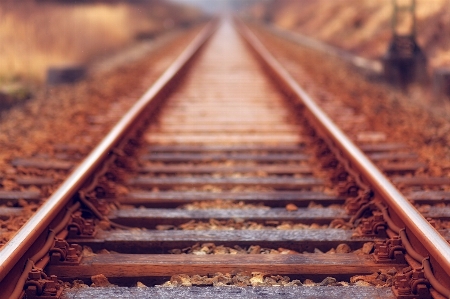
[[35, 36], [364, 26]]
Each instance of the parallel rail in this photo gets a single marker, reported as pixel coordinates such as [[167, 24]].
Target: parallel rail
[[425, 240], [436, 246], [437, 249], [17, 247]]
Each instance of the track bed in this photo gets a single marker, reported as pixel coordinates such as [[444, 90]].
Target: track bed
[[228, 181]]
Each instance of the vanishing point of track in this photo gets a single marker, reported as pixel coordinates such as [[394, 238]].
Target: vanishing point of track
[[249, 157]]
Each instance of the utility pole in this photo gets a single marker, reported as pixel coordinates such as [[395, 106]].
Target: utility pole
[[270, 9], [404, 61]]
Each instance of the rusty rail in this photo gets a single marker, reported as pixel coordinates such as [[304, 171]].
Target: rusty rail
[[13, 251], [433, 242]]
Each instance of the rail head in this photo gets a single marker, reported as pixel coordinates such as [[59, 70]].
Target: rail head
[[437, 247], [14, 250]]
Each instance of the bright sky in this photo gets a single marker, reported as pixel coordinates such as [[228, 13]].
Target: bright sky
[[209, 5], [203, 3]]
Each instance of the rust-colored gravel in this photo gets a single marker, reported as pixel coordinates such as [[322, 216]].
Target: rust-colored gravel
[[381, 279], [232, 224], [64, 114], [403, 116], [8, 227], [239, 279], [254, 279], [211, 248], [221, 204], [77, 115]]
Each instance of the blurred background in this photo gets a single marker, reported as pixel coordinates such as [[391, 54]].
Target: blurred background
[[36, 34]]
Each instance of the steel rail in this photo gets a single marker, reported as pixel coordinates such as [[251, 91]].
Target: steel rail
[[13, 251], [431, 239], [369, 65]]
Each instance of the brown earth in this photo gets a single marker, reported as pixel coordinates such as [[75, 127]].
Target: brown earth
[[65, 115], [362, 26], [408, 116], [35, 35]]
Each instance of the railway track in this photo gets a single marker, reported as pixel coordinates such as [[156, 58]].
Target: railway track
[[227, 173]]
